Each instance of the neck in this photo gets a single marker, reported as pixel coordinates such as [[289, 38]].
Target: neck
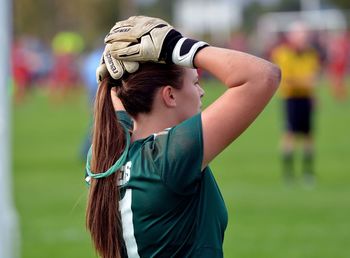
[[148, 124]]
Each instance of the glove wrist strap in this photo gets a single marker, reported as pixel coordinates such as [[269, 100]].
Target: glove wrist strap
[[185, 50], [179, 50], [168, 46]]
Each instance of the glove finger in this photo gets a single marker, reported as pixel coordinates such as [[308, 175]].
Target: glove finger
[[113, 65], [101, 70], [134, 29], [128, 53], [125, 23], [121, 28], [131, 21], [131, 67], [117, 45], [145, 51], [122, 34], [129, 34]]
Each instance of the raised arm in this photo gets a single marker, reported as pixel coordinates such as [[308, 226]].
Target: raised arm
[[251, 82]]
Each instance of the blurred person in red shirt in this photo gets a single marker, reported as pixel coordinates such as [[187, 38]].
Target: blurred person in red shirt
[[67, 47], [338, 61], [20, 70]]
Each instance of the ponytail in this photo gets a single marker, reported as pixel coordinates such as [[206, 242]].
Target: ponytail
[[108, 141]]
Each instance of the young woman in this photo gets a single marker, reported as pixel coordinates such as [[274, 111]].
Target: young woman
[[152, 193]]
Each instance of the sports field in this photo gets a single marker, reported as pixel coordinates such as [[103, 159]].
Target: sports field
[[266, 218]]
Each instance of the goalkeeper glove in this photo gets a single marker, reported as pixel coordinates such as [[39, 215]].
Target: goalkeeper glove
[[116, 68], [142, 38]]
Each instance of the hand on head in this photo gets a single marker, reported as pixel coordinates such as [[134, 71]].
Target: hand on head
[[144, 39], [116, 68]]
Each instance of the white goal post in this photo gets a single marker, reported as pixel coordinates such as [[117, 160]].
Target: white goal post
[[9, 231]]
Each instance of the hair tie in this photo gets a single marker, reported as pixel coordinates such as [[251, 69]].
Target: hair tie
[[117, 165]]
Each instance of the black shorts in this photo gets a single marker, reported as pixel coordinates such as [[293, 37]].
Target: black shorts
[[298, 114]]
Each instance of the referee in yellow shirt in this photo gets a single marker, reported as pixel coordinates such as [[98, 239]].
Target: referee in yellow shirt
[[299, 63]]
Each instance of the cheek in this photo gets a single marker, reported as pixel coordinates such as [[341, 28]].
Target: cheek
[[193, 102], [189, 100], [192, 96]]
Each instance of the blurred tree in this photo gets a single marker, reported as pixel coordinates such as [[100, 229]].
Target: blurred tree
[[91, 18], [344, 4], [253, 11], [286, 5], [251, 14], [158, 8], [32, 18], [126, 8]]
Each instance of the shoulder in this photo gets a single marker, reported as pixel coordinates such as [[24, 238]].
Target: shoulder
[[172, 145], [180, 138], [177, 154]]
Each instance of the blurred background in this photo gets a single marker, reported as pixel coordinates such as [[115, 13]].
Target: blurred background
[[55, 48]]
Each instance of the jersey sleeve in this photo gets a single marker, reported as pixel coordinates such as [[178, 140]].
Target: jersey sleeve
[[125, 119], [180, 155]]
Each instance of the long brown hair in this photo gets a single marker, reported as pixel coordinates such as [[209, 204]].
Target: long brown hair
[[136, 92]]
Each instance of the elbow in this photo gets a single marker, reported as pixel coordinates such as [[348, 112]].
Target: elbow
[[276, 75], [260, 75], [272, 77]]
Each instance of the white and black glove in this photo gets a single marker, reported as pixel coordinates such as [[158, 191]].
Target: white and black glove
[[116, 68], [143, 39]]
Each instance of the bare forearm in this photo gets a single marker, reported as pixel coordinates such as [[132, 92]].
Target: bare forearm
[[251, 83], [236, 68]]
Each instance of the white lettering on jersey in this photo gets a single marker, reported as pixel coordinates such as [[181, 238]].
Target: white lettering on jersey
[[124, 174]]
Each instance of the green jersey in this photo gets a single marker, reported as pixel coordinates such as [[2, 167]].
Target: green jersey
[[169, 206]]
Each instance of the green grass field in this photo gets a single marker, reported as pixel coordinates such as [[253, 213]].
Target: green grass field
[[266, 218]]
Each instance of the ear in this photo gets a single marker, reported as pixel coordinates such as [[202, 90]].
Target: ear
[[168, 96]]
